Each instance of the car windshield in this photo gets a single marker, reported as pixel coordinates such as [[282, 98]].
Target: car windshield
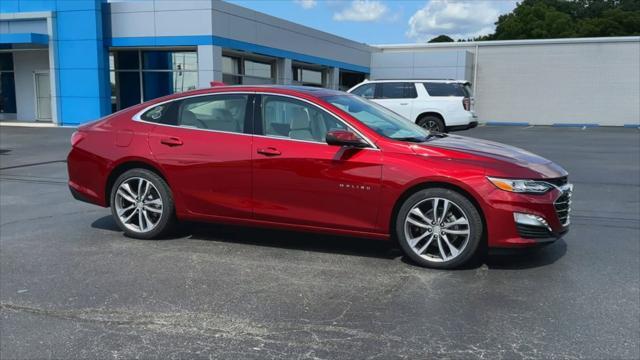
[[379, 119]]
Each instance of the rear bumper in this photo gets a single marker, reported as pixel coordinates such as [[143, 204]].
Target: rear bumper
[[82, 195], [471, 125], [86, 177]]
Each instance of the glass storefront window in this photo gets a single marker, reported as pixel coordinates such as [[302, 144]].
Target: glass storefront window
[[7, 84], [127, 60], [257, 69], [238, 70], [169, 60], [230, 65], [305, 76], [6, 62], [141, 75], [7, 93]]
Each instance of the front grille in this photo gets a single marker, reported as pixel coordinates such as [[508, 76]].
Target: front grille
[[533, 232], [561, 181], [563, 207]]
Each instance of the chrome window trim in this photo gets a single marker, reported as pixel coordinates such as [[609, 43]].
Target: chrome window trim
[[137, 117]]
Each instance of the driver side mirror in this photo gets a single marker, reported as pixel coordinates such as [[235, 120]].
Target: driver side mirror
[[345, 138]]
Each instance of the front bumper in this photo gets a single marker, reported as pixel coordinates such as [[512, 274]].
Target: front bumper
[[522, 220]]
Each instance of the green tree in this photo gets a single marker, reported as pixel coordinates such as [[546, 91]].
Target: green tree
[[543, 19], [441, 38]]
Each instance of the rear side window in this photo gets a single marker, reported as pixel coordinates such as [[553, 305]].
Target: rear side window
[[218, 112], [446, 89], [161, 114], [367, 91], [396, 90]]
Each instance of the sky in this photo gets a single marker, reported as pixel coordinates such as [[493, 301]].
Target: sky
[[389, 21]]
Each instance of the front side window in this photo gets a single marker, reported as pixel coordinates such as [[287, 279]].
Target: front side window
[[397, 90], [379, 119], [367, 91], [217, 112], [289, 118]]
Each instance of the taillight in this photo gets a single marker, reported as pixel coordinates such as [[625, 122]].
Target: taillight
[[76, 137], [466, 103]]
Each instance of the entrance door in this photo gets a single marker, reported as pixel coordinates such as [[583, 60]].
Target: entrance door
[[43, 96]]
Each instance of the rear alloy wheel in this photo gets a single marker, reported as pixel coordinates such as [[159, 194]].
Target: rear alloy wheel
[[141, 204], [431, 123], [439, 228]]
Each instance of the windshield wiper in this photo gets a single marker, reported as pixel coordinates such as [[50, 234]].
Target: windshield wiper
[[417, 139]]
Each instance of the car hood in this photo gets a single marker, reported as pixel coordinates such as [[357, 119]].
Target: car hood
[[501, 154]]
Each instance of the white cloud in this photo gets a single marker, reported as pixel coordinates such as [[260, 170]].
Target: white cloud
[[362, 10], [307, 4], [458, 19]]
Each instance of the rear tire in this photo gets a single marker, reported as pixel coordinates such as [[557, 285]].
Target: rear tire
[[142, 204], [432, 123], [447, 240]]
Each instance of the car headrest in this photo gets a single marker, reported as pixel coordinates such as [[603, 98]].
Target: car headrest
[[299, 118], [188, 118]]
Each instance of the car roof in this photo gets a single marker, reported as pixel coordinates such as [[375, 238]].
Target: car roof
[[307, 90], [418, 80]]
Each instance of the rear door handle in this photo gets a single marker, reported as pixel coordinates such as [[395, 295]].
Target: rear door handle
[[269, 151], [171, 141], [404, 103]]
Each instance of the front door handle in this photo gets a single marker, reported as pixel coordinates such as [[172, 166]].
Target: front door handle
[[404, 104], [269, 151], [171, 141]]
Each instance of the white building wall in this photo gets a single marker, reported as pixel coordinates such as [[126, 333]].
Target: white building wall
[[561, 83], [436, 64], [25, 63], [545, 82]]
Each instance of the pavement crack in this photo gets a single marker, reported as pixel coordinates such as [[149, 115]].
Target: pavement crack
[[33, 164]]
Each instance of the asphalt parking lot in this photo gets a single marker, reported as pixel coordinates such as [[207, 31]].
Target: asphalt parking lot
[[71, 285]]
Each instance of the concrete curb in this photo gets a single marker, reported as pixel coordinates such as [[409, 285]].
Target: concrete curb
[[28, 124]]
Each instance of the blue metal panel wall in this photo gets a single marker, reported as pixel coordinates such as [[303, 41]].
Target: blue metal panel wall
[[82, 62], [81, 57]]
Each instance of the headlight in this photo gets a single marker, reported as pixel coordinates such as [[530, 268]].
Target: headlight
[[520, 186]]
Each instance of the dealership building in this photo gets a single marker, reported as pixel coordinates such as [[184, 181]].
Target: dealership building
[[72, 61]]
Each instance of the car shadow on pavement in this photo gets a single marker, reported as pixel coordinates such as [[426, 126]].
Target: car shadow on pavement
[[292, 240], [526, 258]]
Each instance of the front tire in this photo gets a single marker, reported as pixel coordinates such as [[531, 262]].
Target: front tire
[[432, 123], [439, 228], [142, 204]]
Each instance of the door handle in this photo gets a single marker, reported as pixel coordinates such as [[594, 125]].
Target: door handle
[[171, 141], [404, 103], [269, 151]]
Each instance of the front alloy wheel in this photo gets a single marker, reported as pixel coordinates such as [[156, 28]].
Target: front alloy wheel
[[439, 228]]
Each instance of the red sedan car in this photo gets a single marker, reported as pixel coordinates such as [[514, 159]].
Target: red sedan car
[[315, 160]]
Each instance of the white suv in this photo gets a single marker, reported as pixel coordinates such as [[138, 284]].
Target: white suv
[[438, 105]]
